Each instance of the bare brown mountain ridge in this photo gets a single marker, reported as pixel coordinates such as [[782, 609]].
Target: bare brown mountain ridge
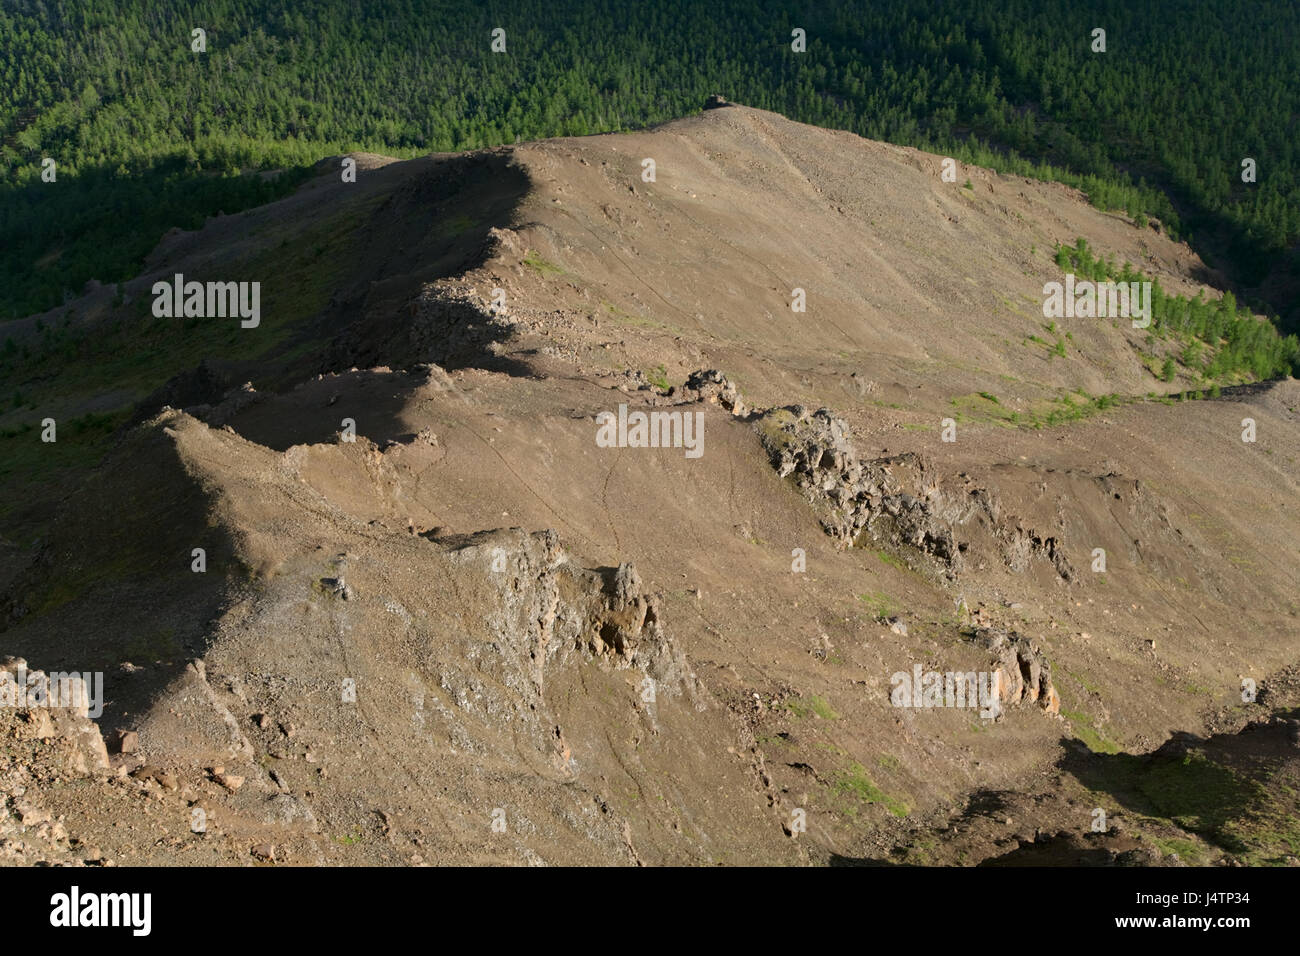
[[475, 615]]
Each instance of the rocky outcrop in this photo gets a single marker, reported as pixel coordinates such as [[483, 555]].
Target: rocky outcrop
[[44, 747], [896, 500], [890, 499], [60, 721], [1020, 546], [553, 613], [702, 385], [1023, 672], [710, 385]]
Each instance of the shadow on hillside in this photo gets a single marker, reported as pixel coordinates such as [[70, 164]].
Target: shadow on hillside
[[98, 226], [1258, 274], [836, 859], [1221, 787], [424, 220], [114, 582], [436, 225], [315, 412], [1057, 850]]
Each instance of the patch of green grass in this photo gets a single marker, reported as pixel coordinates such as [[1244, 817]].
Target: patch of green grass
[[544, 268], [831, 748], [350, 839], [658, 377], [1189, 852], [801, 707], [1091, 737], [854, 782], [882, 606], [892, 560], [1064, 409], [982, 407], [1196, 793], [1081, 681], [623, 317]]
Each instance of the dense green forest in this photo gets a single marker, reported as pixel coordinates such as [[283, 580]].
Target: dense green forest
[[148, 134], [1220, 340]]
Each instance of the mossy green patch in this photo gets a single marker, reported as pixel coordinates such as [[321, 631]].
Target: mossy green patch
[[1195, 792], [892, 560], [1083, 728], [543, 268], [882, 606], [854, 782], [804, 706]]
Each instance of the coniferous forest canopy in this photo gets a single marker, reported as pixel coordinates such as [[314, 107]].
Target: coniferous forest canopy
[[149, 135]]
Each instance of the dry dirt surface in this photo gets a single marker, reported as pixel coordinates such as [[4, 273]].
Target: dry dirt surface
[[441, 623]]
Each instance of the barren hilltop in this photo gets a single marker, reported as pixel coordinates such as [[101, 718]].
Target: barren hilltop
[[438, 622]]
